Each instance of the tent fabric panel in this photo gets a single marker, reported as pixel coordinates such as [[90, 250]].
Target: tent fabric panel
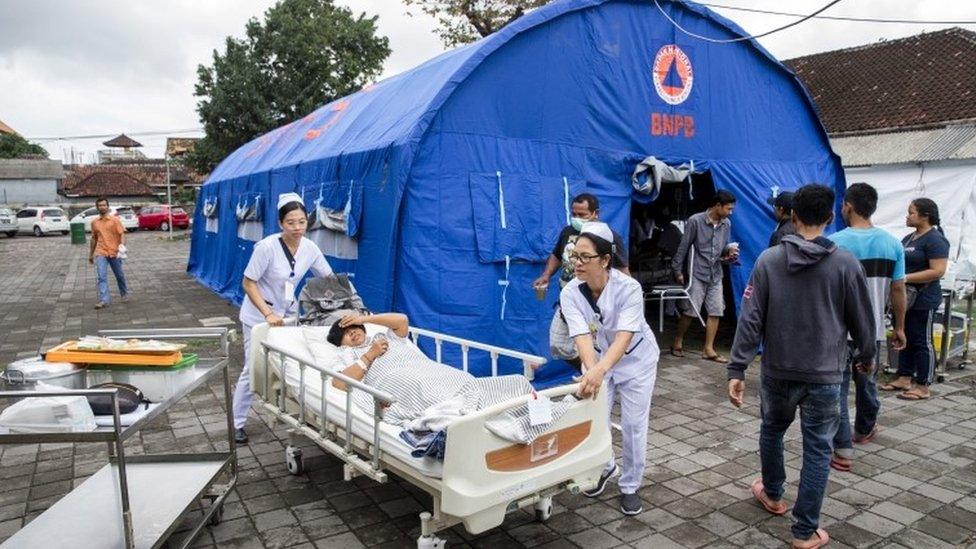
[[752, 220]]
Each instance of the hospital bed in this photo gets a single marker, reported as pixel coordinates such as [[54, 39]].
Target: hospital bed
[[482, 476]]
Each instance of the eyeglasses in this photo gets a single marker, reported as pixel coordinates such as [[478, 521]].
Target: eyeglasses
[[582, 258]]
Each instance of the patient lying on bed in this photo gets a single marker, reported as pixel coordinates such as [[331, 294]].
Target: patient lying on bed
[[429, 395]]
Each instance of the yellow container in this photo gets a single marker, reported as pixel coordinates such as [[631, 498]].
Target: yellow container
[[937, 333]]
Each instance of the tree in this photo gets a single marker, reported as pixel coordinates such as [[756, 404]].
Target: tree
[[15, 146], [464, 21], [304, 54]]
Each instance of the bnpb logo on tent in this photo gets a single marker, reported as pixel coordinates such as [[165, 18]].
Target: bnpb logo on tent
[[673, 76]]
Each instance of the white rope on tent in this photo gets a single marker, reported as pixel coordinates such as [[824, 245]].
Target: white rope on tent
[[347, 210], [501, 199], [504, 284], [920, 184], [566, 199]]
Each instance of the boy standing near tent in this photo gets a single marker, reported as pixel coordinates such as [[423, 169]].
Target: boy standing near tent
[[883, 259], [708, 232], [803, 298]]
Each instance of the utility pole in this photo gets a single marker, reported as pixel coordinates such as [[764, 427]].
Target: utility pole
[[169, 198]]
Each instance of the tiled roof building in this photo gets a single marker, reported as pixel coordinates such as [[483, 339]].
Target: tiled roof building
[[924, 79], [906, 100]]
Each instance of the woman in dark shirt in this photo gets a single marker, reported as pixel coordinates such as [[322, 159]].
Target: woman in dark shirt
[[926, 255]]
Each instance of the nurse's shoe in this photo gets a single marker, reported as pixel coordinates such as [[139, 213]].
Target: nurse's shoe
[[240, 436], [602, 484], [630, 504]]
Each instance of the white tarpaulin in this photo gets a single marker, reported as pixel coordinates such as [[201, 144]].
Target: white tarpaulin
[[952, 185]]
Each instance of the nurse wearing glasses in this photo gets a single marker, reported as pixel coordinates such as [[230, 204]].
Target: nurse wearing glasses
[[277, 265], [604, 310]]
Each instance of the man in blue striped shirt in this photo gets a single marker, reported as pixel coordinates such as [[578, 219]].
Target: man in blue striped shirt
[[883, 259]]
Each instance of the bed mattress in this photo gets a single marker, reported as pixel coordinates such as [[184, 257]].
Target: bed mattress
[[293, 339]]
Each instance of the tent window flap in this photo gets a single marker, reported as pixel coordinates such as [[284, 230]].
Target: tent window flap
[[519, 216]]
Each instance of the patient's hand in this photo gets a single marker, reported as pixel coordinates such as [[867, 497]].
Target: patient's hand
[[351, 319], [377, 349]]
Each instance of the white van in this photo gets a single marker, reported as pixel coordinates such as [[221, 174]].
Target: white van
[[42, 220]]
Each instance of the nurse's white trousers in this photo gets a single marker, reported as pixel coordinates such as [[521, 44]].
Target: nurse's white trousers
[[242, 393], [635, 410]]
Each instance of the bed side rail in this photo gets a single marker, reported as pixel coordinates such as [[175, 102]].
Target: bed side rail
[[381, 399], [529, 362]]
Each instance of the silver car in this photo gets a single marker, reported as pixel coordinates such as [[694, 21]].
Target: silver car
[[8, 222]]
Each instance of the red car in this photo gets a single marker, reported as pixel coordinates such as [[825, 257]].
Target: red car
[[157, 217]]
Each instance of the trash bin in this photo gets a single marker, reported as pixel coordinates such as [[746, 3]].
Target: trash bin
[[77, 233]]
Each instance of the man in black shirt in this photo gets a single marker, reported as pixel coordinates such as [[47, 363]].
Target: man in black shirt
[[783, 210], [586, 207]]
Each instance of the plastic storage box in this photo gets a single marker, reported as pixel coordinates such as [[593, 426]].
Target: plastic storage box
[[158, 383]]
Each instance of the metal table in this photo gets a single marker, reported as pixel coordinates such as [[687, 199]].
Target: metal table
[[136, 501], [948, 333]]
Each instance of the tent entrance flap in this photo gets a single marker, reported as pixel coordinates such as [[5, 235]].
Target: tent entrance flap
[[656, 229]]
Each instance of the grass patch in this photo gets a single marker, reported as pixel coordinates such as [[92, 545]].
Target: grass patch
[[194, 345]]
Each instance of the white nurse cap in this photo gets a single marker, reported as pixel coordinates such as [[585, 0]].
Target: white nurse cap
[[287, 198], [598, 228]]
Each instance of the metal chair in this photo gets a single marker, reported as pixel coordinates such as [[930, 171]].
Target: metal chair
[[674, 292]]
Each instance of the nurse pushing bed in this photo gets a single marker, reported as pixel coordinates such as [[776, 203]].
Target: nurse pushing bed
[[279, 262], [604, 310]]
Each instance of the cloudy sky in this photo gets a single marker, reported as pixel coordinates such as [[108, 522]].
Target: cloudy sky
[[89, 67]]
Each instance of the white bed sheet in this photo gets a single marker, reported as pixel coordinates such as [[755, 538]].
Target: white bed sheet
[[293, 339]]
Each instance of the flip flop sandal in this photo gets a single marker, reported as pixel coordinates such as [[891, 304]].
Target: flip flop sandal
[[864, 439], [680, 353], [892, 387], [716, 358], [841, 464], [911, 395], [823, 539], [769, 505]]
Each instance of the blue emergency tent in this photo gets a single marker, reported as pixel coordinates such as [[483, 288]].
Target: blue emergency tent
[[455, 175]]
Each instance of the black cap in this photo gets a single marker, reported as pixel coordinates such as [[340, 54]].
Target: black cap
[[782, 200]]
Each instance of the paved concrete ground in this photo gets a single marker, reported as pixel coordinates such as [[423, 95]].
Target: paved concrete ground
[[915, 486]]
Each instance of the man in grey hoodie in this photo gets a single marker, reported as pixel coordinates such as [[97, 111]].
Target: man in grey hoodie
[[802, 300]]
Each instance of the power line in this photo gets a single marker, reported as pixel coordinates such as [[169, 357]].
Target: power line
[[842, 18], [741, 38], [108, 135]]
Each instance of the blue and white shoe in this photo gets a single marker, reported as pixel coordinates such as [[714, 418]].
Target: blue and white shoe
[[602, 484]]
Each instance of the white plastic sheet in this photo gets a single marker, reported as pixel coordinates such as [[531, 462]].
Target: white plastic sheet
[[951, 185], [67, 414]]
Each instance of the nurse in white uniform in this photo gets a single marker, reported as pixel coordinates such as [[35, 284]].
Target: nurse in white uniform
[[604, 310], [278, 264]]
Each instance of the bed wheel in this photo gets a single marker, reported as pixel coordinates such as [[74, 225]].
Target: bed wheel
[[217, 515], [293, 460], [543, 509], [431, 542]]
